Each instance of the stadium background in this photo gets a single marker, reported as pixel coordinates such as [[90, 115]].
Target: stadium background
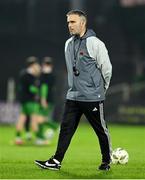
[[38, 27]]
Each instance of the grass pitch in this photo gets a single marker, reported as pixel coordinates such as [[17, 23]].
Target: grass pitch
[[81, 160]]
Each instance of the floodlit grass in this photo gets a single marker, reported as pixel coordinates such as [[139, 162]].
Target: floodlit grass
[[81, 160]]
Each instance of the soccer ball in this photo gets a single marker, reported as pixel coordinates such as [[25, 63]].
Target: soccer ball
[[119, 156], [49, 134]]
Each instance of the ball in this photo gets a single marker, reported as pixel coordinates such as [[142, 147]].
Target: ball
[[49, 134], [119, 156]]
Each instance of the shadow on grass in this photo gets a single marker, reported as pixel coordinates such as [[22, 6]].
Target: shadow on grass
[[96, 175]]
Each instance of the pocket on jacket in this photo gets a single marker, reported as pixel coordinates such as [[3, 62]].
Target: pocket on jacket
[[96, 78]]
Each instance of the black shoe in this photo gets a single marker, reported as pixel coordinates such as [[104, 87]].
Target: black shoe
[[104, 166], [52, 164]]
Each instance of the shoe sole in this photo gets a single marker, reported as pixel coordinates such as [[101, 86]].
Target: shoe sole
[[45, 167]]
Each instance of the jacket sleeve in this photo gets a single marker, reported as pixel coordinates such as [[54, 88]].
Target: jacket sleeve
[[98, 51]]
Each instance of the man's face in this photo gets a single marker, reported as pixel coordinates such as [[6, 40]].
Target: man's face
[[36, 69], [75, 24], [47, 68]]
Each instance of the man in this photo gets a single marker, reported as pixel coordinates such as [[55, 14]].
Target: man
[[28, 91], [47, 86], [89, 74]]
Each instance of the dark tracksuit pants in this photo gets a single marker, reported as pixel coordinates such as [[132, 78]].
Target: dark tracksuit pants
[[71, 117]]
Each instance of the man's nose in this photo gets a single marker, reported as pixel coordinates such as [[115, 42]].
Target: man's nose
[[69, 25]]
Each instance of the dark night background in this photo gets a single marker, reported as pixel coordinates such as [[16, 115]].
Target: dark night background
[[39, 28]]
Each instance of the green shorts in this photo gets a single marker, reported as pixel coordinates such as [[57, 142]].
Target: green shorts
[[30, 108]]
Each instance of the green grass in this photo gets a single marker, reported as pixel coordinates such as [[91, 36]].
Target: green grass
[[81, 160]]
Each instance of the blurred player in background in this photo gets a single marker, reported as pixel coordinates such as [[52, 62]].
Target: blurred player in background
[[28, 92], [47, 125]]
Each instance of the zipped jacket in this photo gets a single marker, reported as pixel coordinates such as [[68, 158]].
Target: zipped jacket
[[90, 58]]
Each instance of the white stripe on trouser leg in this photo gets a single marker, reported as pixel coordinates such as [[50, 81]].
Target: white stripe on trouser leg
[[103, 123]]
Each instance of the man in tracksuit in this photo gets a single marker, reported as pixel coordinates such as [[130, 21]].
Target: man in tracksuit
[[89, 74], [28, 92]]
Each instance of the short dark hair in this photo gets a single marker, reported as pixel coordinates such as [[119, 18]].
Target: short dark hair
[[31, 60], [47, 60], [78, 12]]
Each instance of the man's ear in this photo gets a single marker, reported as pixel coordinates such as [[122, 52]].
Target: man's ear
[[82, 23]]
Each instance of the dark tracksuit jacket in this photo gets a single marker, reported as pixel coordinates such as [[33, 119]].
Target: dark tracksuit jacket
[[28, 87], [86, 91], [47, 83]]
